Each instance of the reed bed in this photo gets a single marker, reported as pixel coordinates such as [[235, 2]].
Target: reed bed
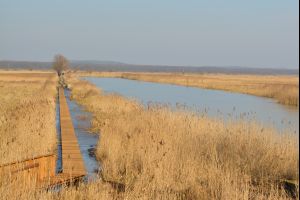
[[284, 89], [27, 120], [156, 153], [97, 190], [27, 129]]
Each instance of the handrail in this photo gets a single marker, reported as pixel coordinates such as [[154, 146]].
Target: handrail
[[28, 159]]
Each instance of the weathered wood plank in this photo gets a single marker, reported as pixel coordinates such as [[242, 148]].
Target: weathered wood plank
[[72, 162]]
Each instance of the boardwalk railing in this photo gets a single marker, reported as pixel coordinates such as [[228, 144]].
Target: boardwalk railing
[[30, 170]]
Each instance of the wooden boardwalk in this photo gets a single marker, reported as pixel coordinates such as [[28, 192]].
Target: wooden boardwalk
[[41, 170], [72, 161]]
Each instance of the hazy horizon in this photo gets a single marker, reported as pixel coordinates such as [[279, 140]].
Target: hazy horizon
[[172, 33]]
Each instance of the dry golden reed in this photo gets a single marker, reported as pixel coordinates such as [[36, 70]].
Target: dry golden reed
[[27, 120], [156, 153]]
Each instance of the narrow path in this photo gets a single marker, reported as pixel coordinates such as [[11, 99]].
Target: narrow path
[[72, 161]]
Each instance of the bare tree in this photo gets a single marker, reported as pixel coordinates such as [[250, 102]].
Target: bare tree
[[60, 63]]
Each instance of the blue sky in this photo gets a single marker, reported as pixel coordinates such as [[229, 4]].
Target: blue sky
[[170, 32]]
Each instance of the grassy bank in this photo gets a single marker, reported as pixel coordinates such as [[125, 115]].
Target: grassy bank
[[156, 153], [284, 89]]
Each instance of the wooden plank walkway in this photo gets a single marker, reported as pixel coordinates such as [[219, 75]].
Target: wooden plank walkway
[[72, 161], [42, 169]]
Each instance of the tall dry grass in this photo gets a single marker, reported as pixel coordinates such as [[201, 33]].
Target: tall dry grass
[[27, 120], [155, 153], [97, 190], [28, 129], [161, 154], [284, 89]]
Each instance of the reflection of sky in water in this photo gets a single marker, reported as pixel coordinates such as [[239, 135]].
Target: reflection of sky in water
[[216, 103], [59, 150], [81, 121]]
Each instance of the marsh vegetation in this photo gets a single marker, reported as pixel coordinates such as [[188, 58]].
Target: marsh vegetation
[[156, 153], [27, 120], [153, 152]]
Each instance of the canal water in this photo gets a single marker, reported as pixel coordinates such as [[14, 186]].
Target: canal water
[[59, 149], [87, 141], [214, 103]]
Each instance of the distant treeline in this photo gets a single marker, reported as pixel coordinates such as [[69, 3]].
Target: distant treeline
[[116, 66]]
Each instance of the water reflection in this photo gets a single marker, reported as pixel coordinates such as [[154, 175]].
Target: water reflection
[[87, 141], [214, 103]]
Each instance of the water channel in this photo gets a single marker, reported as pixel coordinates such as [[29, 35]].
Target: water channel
[[214, 103]]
